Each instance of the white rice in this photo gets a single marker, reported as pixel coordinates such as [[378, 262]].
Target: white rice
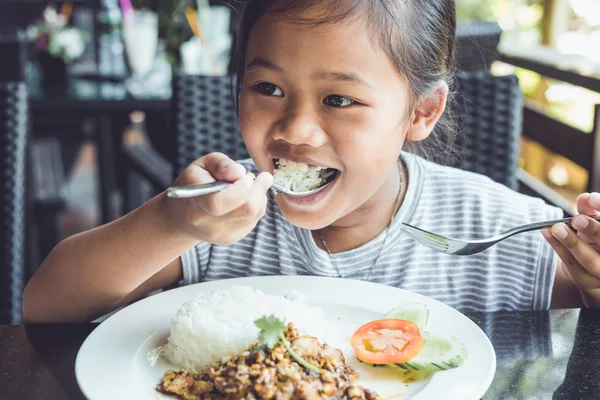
[[214, 326], [298, 177]]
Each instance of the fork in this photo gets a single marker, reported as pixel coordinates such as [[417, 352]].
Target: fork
[[467, 247], [203, 189]]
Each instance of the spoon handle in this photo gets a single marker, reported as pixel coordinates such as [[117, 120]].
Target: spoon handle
[[181, 192], [185, 191]]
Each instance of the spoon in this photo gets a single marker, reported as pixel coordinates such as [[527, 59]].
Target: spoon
[[202, 189]]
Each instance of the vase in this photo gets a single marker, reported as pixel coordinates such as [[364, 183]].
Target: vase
[[53, 71]]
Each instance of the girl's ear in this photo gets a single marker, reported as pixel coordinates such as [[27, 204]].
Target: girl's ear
[[428, 111]]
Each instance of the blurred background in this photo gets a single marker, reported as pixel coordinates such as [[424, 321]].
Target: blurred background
[[551, 45], [106, 100]]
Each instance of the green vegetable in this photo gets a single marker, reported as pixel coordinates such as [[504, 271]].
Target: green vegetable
[[414, 312], [438, 354], [271, 333]]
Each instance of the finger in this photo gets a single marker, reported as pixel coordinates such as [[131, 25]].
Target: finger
[[589, 241], [255, 206], [232, 197], [193, 174], [221, 167], [573, 269], [588, 204], [587, 257], [588, 229]]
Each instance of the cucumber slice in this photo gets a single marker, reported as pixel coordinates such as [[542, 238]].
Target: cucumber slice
[[439, 353], [414, 312]]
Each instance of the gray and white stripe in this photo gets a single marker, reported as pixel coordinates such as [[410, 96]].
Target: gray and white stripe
[[516, 274]]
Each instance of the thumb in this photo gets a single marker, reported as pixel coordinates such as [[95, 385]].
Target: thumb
[[264, 180], [222, 168]]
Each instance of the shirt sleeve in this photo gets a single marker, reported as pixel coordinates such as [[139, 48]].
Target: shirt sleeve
[[194, 263]]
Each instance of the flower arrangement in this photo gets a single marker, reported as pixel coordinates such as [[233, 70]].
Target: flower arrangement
[[54, 36], [57, 44]]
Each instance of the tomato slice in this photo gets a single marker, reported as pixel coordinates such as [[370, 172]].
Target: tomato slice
[[387, 341]]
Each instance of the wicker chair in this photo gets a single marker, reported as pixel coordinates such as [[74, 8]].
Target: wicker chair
[[204, 121], [18, 193], [489, 111], [204, 118], [487, 107], [477, 45], [13, 130]]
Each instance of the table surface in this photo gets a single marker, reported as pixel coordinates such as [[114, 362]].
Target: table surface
[[540, 355], [94, 92]]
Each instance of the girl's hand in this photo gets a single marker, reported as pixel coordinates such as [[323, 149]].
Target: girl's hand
[[579, 251], [223, 217]]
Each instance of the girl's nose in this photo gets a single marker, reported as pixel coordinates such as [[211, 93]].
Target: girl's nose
[[300, 128]]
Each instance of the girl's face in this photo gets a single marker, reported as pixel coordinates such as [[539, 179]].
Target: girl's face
[[324, 95]]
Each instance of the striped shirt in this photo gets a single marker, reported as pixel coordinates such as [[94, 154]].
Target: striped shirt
[[516, 274]]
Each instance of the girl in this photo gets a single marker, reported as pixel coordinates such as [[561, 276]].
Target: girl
[[343, 84]]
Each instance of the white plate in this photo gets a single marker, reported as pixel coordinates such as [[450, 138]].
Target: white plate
[[113, 364]]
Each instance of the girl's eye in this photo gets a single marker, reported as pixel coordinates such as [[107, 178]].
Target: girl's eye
[[335, 100], [268, 89]]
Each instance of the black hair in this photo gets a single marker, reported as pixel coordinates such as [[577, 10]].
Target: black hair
[[417, 35]]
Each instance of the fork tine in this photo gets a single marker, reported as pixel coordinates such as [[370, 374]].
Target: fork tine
[[430, 240], [441, 243], [421, 234], [411, 229], [432, 245], [425, 240]]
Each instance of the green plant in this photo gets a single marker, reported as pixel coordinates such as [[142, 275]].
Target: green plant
[[172, 25], [469, 10]]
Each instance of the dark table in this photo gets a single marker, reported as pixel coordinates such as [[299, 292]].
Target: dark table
[[540, 355]]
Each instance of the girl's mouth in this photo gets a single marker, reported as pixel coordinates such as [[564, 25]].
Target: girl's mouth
[[301, 177]]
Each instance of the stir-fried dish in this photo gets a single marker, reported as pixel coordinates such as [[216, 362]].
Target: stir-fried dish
[[272, 373]]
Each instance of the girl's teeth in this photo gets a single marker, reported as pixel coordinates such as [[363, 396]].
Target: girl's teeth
[[295, 166], [301, 167]]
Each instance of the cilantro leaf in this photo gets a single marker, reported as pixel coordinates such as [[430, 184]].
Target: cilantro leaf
[[271, 330], [271, 333]]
